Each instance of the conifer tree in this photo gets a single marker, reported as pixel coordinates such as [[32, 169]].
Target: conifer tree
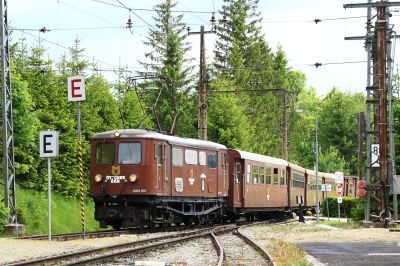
[[167, 58]]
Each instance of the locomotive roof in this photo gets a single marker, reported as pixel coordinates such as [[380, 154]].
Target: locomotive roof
[[146, 134]]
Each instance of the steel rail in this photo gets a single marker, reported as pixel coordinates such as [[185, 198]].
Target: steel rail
[[74, 255]]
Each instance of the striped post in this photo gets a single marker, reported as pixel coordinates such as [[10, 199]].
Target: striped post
[[81, 188], [82, 195]]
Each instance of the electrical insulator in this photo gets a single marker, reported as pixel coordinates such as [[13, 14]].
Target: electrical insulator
[[212, 20]]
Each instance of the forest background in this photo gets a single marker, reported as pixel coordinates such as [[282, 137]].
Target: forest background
[[250, 121]]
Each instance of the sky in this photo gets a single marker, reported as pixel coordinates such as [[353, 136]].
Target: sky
[[101, 28]]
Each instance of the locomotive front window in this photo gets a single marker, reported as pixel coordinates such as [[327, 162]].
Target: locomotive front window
[[130, 153], [190, 157], [105, 152]]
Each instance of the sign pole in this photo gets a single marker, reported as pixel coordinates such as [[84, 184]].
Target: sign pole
[[338, 208], [49, 194], [77, 93], [48, 147], [327, 208]]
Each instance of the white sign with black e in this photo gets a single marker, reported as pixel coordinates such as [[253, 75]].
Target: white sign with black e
[[48, 144]]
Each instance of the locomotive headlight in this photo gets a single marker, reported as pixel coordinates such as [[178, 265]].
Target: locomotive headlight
[[116, 133], [98, 178], [132, 178]]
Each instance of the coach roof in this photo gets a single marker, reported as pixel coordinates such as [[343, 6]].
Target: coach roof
[[262, 158], [146, 134]]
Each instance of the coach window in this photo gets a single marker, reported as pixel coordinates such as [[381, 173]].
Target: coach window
[[190, 157], [255, 174], [157, 153], [105, 152], [262, 174], [237, 172], [276, 181], [248, 173], [283, 177], [130, 153], [202, 158], [268, 176], [177, 157], [212, 160]]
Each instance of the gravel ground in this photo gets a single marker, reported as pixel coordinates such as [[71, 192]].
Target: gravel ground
[[12, 250], [192, 253], [199, 252], [237, 252]]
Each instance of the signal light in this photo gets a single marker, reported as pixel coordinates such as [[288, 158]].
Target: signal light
[[361, 184], [361, 193]]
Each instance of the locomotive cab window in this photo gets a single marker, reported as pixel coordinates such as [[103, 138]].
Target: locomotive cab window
[[190, 157], [105, 152], [212, 160], [177, 157], [130, 153], [202, 158]]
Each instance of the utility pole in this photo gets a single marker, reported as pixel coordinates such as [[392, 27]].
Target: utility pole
[[284, 132], [202, 117], [378, 50], [8, 128], [8, 125]]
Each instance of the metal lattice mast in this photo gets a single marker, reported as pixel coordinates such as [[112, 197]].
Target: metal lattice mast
[[7, 122]]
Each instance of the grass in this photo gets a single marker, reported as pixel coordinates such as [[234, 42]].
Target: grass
[[343, 225], [32, 211], [284, 254]]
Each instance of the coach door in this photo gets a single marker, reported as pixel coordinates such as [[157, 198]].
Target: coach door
[[159, 158], [238, 183]]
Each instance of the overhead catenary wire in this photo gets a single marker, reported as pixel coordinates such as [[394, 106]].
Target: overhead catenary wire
[[64, 47]]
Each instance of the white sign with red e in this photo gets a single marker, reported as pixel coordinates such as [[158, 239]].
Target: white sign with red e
[[76, 89]]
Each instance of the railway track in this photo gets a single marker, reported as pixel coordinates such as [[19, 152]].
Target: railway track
[[219, 241], [108, 253], [111, 233]]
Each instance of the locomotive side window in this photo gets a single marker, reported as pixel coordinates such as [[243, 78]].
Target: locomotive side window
[[283, 177], [262, 174], [268, 176], [276, 181], [177, 157], [255, 174], [190, 157], [130, 153], [105, 152], [212, 160], [202, 158], [157, 153]]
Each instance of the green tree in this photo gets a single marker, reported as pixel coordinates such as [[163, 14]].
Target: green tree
[[167, 58]]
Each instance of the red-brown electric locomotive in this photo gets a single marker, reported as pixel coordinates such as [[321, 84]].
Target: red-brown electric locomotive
[[141, 177]]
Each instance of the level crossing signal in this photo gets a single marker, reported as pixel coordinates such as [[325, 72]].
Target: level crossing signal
[[362, 188]]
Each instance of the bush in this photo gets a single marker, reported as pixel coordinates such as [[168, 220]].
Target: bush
[[350, 207], [4, 212]]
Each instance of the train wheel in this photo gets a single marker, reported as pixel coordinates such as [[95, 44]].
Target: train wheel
[[116, 225]]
